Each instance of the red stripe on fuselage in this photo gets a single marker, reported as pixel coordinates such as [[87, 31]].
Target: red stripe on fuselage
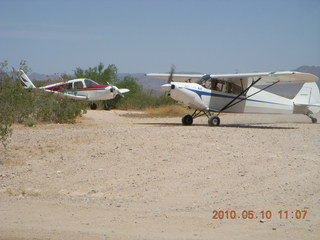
[[61, 87], [98, 86]]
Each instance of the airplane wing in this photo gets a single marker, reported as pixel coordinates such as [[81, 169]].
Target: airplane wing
[[176, 77], [284, 77], [68, 95], [124, 90]]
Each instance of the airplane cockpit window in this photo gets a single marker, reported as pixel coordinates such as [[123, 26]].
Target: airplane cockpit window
[[214, 84], [78, 84], [90, 82], [217, 85], [221, 86], [69, 86]]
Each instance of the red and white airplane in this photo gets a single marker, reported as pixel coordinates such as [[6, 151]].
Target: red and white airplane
[[80, 89]]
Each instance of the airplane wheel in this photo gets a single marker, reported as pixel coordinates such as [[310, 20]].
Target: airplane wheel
[[93, 106], [106, 106], [214, 121], [187, 120], [314, 120]]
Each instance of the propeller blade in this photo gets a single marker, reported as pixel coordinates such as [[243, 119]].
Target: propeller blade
[[171, 73]]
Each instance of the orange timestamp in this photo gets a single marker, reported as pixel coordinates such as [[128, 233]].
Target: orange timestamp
[[263, 214]]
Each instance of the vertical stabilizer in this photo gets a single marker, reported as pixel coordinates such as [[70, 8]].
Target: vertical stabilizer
[[25, 81], [307, 100], [308, 95]]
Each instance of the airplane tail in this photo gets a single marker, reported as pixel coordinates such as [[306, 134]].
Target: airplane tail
[[25, 81], [307, 100]]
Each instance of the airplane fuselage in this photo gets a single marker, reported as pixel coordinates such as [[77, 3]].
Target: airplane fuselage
[[90, 90], [196, 96]]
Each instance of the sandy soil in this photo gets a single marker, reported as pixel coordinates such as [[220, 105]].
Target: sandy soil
[[113, 177]]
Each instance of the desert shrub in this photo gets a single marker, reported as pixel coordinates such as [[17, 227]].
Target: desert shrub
[[31, 105], [11, 106], [138, 98], [50, 107]]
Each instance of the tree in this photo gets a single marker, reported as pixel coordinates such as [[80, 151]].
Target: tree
[[99, 74]]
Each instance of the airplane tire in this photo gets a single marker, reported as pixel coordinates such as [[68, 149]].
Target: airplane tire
[[214, 120], [93, 106], [314, 120], [187, 120], [106, 107]]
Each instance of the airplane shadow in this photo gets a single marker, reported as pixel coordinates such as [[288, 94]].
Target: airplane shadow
[[244, 125]]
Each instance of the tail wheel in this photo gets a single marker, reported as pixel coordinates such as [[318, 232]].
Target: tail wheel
[[187, 120], [214, 120]]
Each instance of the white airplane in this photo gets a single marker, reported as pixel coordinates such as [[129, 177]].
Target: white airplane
[[80, 89], [217, 93]]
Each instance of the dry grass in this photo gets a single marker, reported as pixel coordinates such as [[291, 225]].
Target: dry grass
[[21, 191], [163, 111]]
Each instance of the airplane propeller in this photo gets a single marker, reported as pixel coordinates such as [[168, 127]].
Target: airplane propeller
[[173, 68], [168, 86], [114, 90]]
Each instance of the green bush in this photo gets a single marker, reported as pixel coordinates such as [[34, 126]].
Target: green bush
[[12, 98], [138, 98], [31, 105]]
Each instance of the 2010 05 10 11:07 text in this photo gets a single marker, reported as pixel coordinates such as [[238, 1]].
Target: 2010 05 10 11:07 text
[[263, 214]]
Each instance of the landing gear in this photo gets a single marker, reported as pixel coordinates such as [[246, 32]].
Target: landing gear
[[93, 106], [187, 120], [214, 120], [313, 119], [106, 106]]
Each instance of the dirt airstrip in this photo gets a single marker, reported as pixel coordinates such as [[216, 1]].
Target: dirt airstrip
[[115, 177]]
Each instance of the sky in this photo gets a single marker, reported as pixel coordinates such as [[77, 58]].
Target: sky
[[142, 36]]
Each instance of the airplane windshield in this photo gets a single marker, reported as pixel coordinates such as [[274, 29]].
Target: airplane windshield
[[90, 82]]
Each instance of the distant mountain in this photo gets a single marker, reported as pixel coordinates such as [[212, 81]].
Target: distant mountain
[[309, 69], [42, 77], [146, 82]]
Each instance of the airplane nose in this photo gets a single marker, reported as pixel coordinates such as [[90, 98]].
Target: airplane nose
[[167, 87]]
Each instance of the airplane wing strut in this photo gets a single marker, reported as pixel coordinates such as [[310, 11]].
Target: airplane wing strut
[[232, 102]]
